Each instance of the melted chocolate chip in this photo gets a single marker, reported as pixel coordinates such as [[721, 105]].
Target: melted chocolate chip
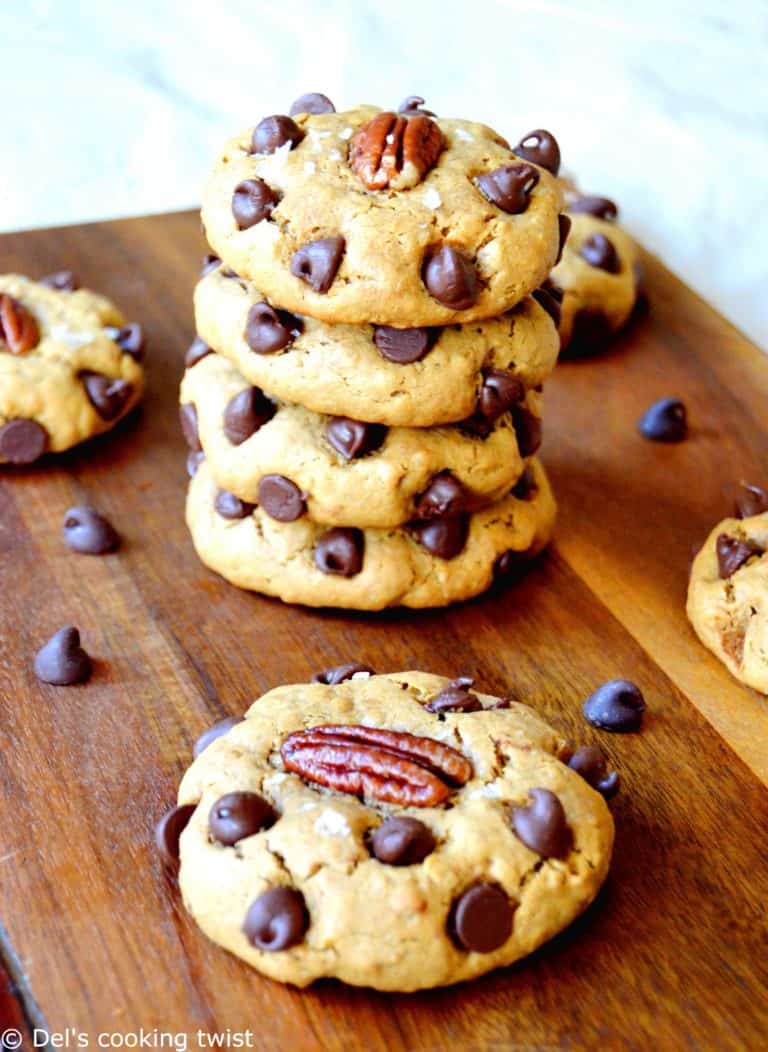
[[590, 763], [442, 537], [194, 460], [188, 421], [528, 430], [508, 565], [732, 553], [542, 825], [268, 330], [273, 132], [317, 262], [616, 706], [216, 731], [230, 506], [402, 841], [168, 831], [63, 280], [354, 438], [197, 351], [509, 187], [22, 441], [525, 487], [62, 661], [664, 421], [753, 500], [239, 815], [340, 551], [481, 918], [252, 201], [413, 105], [456, 697], [210, 262], [130, 340], [501, 390], [590, 334], [281, 499], [546, 298], [312, 102], [87, 532], [107, 396], [404, 346], [540, 147], [599, 251], [277, 919], [601, 207], [246, 413], [332, 676], [563, 230], [450, 278], [444, 495]]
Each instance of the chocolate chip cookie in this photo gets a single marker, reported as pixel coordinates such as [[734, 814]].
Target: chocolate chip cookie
[[69, 367], [278, 550], [398, 832], [372, 216], [401, 378]]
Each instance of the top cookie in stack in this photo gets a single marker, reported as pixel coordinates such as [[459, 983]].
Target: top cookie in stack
[[377, 274]]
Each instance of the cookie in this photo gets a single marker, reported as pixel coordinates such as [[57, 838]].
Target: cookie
[[351, 473], [375, 833], [430, 563], [370, 373], [728, 597], [367, 216], [69, 368]]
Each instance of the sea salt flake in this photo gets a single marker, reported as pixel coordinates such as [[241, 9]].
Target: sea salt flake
[[74, 339], [464, 135], [334, 155], [491, 790], [432, 198], [310, 168], [331, 823], [346, 134], [361, 675]]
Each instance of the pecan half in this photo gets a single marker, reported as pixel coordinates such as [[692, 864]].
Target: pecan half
[[391, 766], [18, 329], [395, 151]]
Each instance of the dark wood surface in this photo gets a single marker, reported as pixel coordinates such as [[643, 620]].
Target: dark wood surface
[[673, 953]]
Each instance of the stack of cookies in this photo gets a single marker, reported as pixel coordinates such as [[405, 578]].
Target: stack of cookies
[[363, 400]]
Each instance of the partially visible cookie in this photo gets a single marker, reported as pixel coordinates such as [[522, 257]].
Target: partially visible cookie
[[430, 563], [399, 832], [728, 597], [402, 378], [69, 368], [349, 473]]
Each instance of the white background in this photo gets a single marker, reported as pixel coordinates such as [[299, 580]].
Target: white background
[[118, 108]]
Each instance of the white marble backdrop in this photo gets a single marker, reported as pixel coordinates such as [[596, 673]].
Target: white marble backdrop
[[117, 108]]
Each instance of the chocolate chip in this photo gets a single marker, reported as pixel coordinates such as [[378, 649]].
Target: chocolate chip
[[189, 428], [277, 919], [525, 487], [312, 102], [62, 661], [354, 438], [450, 278], [563, 230], [130, 340], [402, 841], [22, 441], [413, 105], [590, 334], [273, 132], [444, 495], [732, 553], [508, 565], [239, 815], [252, 201], [600, 252], [444, 537], [547, 299], [197, 351], [216, 731], [317, 262], [281, 499], [89, 533], [753, 500], [616, 706], [246, 413], [542, 825], [589, 762], [107, 396], [63, 280], [231, 507], [340, 551], [601, 207], [664, 421], [332, 676], [501, 390], [509, 187], [268, 330], [168, 831], [194, 460], [210, 262], [540, 147], [528, 430], [480, 920], [404, 346], [456, 697]]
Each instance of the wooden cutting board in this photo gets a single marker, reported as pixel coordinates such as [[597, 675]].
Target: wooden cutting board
[[673, 953]]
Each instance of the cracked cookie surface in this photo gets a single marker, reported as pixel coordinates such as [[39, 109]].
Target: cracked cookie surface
[[389, 924]]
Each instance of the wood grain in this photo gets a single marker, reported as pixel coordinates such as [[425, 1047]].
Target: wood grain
[[672, 955]]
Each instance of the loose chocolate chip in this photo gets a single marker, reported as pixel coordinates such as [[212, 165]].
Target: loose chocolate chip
[[277, 919], [197, 351], [317, 262], [312, 102], [354, 438], [168, 831], [540, 147], [107, 396], [268, 330], [456, 697], [194, 460], [402, 841], [616, 706], [63, 280], [590, 763], [481, 918], [528, 430], [525, 487], [130, 339], [231, 507], [590, 334], [443, 537], [22, 441], [542, 825], [89, 533], [509, 187], [546, 298], [752, 501], [239, 815], [332, 676], [252, 201], [246, 413], [273, 132], [216, 731], [450, 278], [601, 207], [404, 346], [412, 105], [281, 499], [600, 252], [563, 229], [444, 495], [340, 551], [188, 421], [62, 661], [500, 391], [664, 421], [733, 553], [210, 262]]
